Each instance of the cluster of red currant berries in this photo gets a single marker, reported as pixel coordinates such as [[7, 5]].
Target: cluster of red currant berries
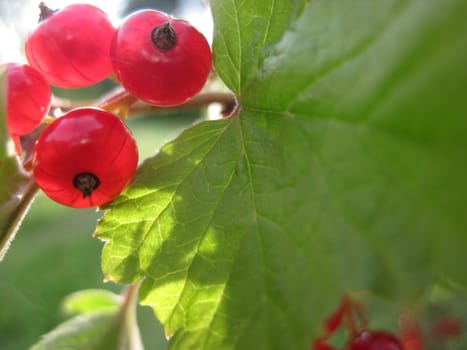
[[360, 337], [87, 156]]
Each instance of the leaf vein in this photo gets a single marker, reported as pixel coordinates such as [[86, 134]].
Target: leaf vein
[[170, 200]]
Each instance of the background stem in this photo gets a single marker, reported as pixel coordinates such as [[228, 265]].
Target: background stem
[[130, 337], [13, 213]]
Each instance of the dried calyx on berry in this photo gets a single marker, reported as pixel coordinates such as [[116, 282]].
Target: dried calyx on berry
[[164, 37], [46, 11], [86, 182]]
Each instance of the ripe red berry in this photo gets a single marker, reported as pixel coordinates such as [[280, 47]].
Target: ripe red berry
[[374, 340], [70, 46], [159, 59], [322, 345], [27, 98], [447, 327], [85, 158]]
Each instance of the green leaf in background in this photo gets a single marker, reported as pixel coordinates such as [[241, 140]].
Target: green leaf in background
[[344, 171], [89, 301], [16, 190], [94, 331], [104, 328]]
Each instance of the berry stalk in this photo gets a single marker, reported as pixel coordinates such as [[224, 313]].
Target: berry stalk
[[122, 102]]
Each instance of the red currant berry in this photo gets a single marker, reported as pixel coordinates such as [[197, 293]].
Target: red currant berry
[[70, 46], [85, 158], [321, 345], [447, 327], [374, 340], [27, 98], [159, 59]]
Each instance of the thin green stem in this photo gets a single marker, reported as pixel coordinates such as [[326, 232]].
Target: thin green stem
[[14, 211]]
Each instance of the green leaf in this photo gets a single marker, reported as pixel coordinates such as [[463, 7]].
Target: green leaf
[[89, 301], [344, 171], [17, 190], [243, 30], [106, 328], [94, 331]]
